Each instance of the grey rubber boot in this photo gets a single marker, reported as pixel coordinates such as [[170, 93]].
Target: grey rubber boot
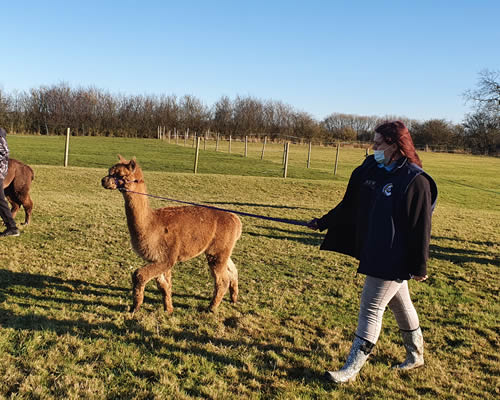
[[414, 345], [360, 350]]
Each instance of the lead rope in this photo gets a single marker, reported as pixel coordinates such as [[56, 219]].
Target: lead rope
[[282, 220]]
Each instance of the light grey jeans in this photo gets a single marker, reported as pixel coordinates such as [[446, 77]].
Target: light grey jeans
[[377, 295]]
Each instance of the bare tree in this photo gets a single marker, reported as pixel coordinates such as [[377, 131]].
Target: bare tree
[[4, 107], [486, 97], [223, 116], [482, 127], [433, 132]]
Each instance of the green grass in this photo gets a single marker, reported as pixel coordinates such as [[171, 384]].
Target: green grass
[[65, 284]]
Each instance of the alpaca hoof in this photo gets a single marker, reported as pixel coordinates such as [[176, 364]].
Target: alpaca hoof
[[133, 309]]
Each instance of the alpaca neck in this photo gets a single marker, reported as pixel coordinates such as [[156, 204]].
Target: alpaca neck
[[138, 211]]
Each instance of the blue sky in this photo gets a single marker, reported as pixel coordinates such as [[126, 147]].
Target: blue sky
[[412, 59]]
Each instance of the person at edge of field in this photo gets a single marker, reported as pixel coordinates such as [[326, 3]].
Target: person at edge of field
[[5, 213], [384, 220]]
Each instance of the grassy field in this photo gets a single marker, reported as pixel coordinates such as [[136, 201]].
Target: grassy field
[[65, 283]]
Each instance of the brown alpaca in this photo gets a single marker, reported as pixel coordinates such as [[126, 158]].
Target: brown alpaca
[[167, 235], [16, 187]]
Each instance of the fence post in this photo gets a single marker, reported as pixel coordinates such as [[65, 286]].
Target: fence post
[[196, 154], [176, 134], [194, 139], [309, 155], [263, 148], [229, 144], [217, 142], [336, 159], [246, 146], [66, 149], [284, 152], [285, 169]]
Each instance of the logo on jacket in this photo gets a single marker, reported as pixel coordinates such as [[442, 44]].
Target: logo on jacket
[[370, 183], [387, 189]]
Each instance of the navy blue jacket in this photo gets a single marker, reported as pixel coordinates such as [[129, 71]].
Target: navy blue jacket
[[384, 220]]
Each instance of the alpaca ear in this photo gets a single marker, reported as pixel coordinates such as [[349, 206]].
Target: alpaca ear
[[132, 164], [122, 160]]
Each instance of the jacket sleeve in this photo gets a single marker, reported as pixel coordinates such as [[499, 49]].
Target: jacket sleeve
[[419, 209], [342, 213]]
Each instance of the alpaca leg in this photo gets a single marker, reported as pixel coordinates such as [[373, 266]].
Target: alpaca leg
[[14, 209], [220, 273], [140, 278], [28, 207], [164, 283], [14, 202], [233, 280]]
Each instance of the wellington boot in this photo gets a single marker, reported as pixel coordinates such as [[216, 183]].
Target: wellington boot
[[360, 350], [414, 345]]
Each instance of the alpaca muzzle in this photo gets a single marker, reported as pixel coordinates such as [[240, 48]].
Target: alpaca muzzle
[[109, 182], [112, 182]]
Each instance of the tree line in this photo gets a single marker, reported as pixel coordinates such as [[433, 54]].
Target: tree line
[[50, 110]]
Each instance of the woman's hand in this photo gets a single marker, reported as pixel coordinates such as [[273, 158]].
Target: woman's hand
[[419, 278], [313, 224]]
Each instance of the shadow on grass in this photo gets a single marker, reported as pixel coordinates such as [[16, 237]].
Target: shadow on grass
[[77, 288], [130, 330], [478, 242], [305, 237], [459, 256], [9, 278]]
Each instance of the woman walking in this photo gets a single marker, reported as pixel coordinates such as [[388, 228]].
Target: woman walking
[[384, 220]]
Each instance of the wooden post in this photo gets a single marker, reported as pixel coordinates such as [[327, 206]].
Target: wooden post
[[285, 169], [205, 141], [176, 134], [263, 148], [194, 139], [284, 152], [196, 154], [309, 155], [66, 149], [229, 144], [217, 142], [169, 135], [246, 146], [336, 159]]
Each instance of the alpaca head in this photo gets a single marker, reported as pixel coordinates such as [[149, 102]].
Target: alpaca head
[[124, 175]]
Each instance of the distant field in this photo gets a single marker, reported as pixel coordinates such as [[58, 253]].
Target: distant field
[[65, 283]]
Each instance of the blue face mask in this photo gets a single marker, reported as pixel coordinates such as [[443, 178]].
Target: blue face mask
[[379, 156]]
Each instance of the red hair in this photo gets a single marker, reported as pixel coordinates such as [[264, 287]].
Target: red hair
[[397, 132]]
